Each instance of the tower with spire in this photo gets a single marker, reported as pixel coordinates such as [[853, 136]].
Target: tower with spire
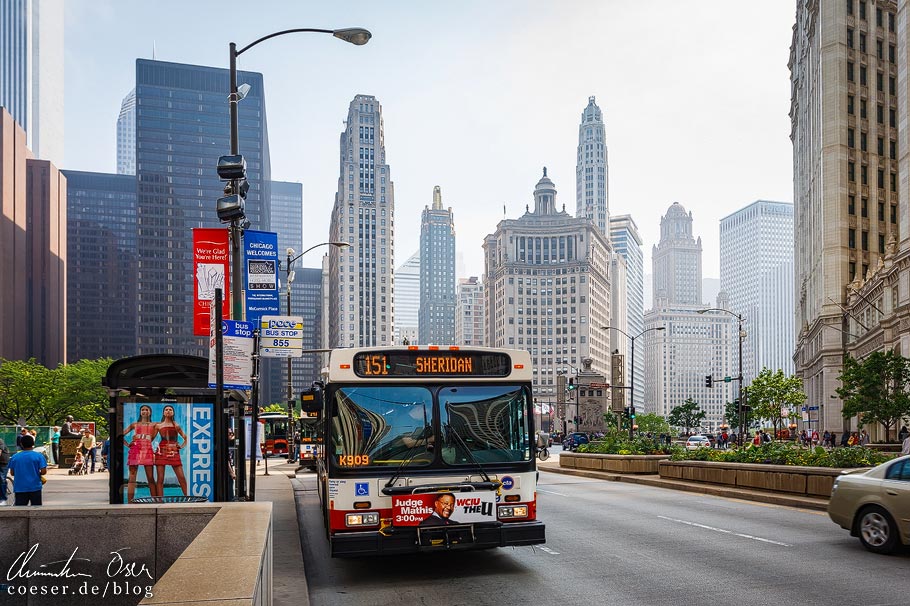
[[436, 323], [592, 198]]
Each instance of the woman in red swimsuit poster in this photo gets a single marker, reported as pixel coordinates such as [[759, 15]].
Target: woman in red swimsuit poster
[[140, 453], [169, 448]]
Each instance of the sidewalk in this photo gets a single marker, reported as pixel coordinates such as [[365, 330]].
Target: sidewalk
[[761, 496], [289, 586]]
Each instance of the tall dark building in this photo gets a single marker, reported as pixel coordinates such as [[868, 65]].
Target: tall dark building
[[436, 321], [101, 270], [308, 295], [182, 126]]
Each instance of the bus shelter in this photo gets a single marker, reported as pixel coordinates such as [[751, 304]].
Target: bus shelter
[[168, 431]]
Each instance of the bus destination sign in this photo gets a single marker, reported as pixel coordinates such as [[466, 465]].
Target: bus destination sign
[[423, 363]]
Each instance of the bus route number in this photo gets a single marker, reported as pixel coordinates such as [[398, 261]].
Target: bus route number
[[353, 460], [281, 343], [375, 365]]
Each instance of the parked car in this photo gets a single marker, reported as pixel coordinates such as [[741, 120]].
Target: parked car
[[875, 505], [696, 442], [574, 440]]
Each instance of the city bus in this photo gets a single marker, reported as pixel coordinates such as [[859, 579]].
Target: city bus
[[275, 429], [426, 448]]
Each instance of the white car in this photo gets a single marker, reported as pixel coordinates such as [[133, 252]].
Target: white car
[[696, 442]]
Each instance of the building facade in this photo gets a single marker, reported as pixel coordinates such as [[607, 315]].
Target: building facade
[[627, 241], [126, 135], [407, 300], [362, 279], [592, 199], [101, 267], [31, 72], [756, 271], [436, 320], [33, 246], [469, 308], [676, 260], [308, 299], [547, 289], [844, 71], [182, 126]]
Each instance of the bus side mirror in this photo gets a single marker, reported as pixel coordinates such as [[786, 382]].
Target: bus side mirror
[[311, 403]]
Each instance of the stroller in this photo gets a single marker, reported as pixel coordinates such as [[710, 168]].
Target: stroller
[[79, 467]]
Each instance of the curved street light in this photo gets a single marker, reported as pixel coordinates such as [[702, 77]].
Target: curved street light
[[739, 319], [632, 368]]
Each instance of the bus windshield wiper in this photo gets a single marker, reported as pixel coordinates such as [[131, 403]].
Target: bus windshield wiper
[[483, 472], [409, 456]]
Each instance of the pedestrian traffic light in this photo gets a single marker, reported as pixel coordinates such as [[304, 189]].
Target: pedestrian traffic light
[[626, 411], [709, 381]]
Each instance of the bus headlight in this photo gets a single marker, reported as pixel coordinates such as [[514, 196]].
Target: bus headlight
[[362, 519], [512, 511]]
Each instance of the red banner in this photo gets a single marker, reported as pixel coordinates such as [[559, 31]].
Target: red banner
[[211, 255]]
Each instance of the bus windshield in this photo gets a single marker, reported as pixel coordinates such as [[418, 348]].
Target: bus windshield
[[390, 425], [484, 424], [383, 426]]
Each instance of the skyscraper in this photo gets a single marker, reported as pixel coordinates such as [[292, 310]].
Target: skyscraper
[[469, 310], [677, 260], [756, 270], [33, 252], [308, 299], [844, 71], [626, 241], [101, 267], [548, 289], [182, 126], [437, 274], [694, 343], [592, 198], [407, 300], [361, 278], [126, 135], [31, 72]]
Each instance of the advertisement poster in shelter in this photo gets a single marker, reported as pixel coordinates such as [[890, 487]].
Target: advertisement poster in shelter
[[168, 449], [443, 508]]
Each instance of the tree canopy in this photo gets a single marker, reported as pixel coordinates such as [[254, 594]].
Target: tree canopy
[[772, 390], [874, 389], [688, 414]]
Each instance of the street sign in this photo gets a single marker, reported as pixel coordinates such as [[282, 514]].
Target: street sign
[[281, 337], [813, 408], [598, 386], [727, 379], [237, 351]]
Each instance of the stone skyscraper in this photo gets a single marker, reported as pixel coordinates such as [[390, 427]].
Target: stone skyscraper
[[756, 270], [547, 289], [592, 198], [361, 298], [677, 260], [126, 135], [182, 126], [469, 312], [31, 72], [436, 321], [844, 67]]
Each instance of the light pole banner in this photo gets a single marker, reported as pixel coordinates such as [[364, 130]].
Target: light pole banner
[[260, 276], [211, 253]]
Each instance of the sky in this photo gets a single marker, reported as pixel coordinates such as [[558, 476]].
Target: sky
[[477, 97]]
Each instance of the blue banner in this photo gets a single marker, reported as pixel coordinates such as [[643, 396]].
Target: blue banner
[[260, 276]]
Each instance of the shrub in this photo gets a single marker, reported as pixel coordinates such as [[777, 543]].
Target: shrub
[[619, 443], [777, 453]]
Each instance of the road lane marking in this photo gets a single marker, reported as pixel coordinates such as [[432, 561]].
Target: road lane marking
[[539, 489], [724, 531], [548, 550]]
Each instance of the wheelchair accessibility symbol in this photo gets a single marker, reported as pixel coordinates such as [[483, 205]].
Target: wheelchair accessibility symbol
[[362, 489]]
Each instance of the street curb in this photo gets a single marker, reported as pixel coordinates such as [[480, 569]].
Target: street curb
[[772, 498]]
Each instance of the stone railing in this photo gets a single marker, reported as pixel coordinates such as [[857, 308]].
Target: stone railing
[[808, 481], [120, 555], [612, 462]]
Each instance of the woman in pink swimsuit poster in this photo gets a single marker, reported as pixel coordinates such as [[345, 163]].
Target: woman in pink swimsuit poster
[[140, 452], [169, 449]]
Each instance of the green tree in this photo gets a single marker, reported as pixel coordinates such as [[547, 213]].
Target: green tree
[[731, 416], [275, 408], [652, 422], [875, 389], [688, 414], [772, 390]]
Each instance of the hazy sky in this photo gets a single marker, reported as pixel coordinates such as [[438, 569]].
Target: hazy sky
[[477, 97]]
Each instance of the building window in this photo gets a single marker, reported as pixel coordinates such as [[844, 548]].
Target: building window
[[862, 42], [849, 7], [881, 180], [865, 240], [865, 208], [864, 174], [851, 139], [850, 104], [862, 75], [851, 205], [862, 10], [881, 243], [849, 38], [862, 141], [878, 17], [894, 213], [881, 211], [880, 81], [862, 109], [851, 238], [849, 71]]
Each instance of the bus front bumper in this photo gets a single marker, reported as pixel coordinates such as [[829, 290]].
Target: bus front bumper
[[405, 539]]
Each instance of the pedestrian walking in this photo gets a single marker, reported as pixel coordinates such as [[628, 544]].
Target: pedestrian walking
[[845, 439], [88, 447], [55, 444], [903, 433], [833, 439], [864, 438], [905, 448], [827, 439], [28, 469], [4, 468]]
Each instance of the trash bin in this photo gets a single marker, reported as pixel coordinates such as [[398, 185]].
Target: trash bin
[[170, 499]]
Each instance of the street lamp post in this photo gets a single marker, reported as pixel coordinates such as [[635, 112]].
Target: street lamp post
[[289, 278], [632, 368], [741, 334]]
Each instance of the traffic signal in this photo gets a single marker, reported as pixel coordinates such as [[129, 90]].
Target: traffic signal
[[233, 170], [571, 385], [709, 381], [631, 412]]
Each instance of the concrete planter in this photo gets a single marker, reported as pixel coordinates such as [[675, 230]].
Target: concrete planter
[[809, 481], [612, 462]]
